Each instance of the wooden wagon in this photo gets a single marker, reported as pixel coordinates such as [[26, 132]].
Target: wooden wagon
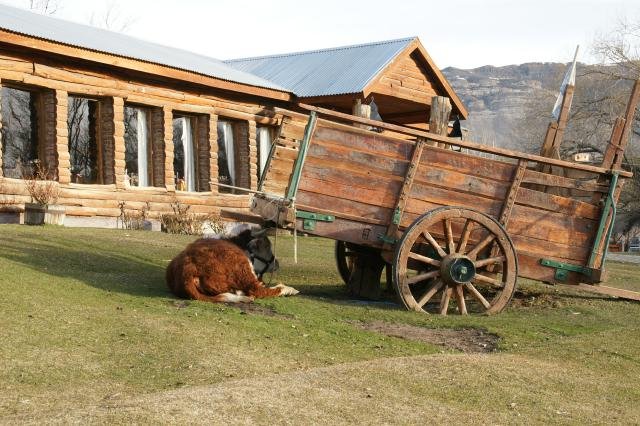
[[457, 221]]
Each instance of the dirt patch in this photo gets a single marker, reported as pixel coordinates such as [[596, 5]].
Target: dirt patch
[[527, 300], [467, 340], [255, 309]]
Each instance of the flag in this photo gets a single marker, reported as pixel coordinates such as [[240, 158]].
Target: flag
[[569, 79]]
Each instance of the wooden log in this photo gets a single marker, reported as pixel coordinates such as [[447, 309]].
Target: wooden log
[[439, 117]]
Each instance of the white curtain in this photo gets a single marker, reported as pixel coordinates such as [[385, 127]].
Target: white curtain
[[264, 136], [189, 155], [143, 149], [227, 130]]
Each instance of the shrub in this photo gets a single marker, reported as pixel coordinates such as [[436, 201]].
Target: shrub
[[132, 218], [40, 185], [183, 222]]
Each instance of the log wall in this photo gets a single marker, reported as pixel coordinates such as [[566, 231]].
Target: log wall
[[55, 80]]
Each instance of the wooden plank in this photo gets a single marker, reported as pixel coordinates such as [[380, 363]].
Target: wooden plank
[[556, 203], [365, 212], [457, 142], [468, 164], [404, 194], [628, 125], [609, 291], [346, 158], [591, 185], [431, 174], [369, 142], [505, 214]]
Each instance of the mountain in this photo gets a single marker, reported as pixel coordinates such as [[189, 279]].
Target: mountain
[[499, 97]]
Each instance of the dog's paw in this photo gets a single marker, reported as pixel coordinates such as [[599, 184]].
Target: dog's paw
[[286, 290]]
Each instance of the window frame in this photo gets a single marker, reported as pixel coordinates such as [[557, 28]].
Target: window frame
[[195, 139], [40, 124], [148, 109], [100, 177]]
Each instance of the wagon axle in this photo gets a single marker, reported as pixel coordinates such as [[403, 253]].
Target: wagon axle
[[457, 269]]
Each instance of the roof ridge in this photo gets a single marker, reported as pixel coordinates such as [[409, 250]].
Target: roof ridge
[[308, 52], [249, 79]]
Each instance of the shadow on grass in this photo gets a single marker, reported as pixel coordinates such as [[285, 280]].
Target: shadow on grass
[[338, 294], [106, 268]]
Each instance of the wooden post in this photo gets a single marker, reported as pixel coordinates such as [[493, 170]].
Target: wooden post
[[62, 137], [169, 178], [439, 118], [1, 169], [361, 110]]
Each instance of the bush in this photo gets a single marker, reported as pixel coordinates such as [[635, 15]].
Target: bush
[[183, 222], [41, 186], [131, 218]]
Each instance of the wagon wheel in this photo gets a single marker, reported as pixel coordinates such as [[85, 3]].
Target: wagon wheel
[[346, 254], [455, 256], [345, 259]]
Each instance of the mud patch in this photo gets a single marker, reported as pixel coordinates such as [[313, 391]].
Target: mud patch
[[467, 340]]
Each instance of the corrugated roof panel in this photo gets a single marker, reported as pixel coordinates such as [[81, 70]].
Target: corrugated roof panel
[[325, 72], [84, 36]]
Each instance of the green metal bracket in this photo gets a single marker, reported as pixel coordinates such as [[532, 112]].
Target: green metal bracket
[[388, 240], [310, 219], [397, 215], [609, 205], [563, 269], [304, 146]]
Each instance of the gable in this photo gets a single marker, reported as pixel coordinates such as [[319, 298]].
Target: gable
[[407, 79]]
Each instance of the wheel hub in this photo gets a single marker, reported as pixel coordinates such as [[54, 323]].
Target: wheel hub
[[457, 269]]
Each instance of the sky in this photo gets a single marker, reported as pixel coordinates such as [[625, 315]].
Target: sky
[[462, 33]]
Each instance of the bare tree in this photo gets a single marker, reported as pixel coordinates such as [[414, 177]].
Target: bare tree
[[111, 17], [46, 7]]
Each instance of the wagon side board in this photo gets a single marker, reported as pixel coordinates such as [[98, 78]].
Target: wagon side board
[[355, 177]]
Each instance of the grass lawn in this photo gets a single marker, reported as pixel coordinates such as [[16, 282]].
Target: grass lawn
[[89, 333]]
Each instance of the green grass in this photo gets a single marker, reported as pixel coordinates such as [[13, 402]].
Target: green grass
[[90, 332]]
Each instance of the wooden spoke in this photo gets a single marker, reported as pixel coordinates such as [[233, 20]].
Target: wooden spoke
[[437, 285], [434, 243], [444, 301], [422, 277], [482, 244], [479, 297], [485, 279], [424, 259], [489, 261], [462, 306], [466, 232], [449, 233]]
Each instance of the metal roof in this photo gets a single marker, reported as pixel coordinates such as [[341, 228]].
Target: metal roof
[[87, 37], [325, 72]]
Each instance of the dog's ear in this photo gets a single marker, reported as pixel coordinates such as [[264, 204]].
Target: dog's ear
[[257, 233]]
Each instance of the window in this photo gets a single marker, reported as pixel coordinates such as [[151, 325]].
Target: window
[[233, 154], [84, 144], [265, 138], [226, 155], [138, 147], [184, 153], [20, 142]]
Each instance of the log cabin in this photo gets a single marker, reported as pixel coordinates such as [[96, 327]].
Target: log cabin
[[117, 119]]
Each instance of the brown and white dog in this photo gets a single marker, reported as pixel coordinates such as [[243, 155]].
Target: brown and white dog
[[224, 270]]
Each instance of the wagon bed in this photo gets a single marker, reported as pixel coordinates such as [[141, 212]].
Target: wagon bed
[[370, 184]]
